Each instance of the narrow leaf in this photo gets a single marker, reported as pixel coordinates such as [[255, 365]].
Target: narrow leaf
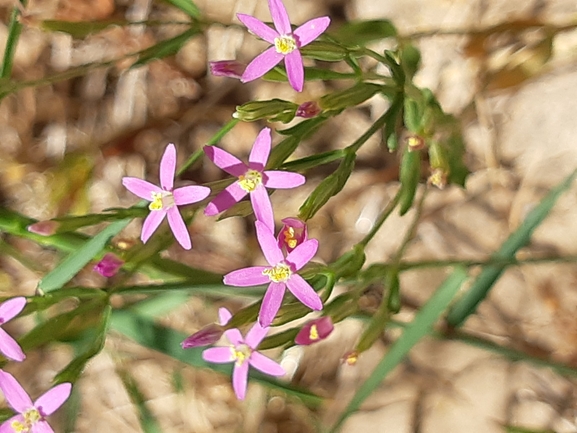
[[362, 32], [165, 48], [186, 6]]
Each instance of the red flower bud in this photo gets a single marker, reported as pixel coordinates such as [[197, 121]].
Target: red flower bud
[[109, 265], [315, 331], [292, 234]]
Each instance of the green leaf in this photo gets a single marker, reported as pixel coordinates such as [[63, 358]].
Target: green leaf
[[80, 29], [390, 135], [72, 264], [325, 51], [148, 421], [410, 60], [330, 186], [363, 32], [296, 134], [72, 223], [165, 340], [350, 97], [421, 325], [409, 176], [478, 291], [315, 160], [14, 30], [165, 48], [186, 6]]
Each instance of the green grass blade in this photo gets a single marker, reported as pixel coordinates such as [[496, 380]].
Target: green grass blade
[[144, 331], [165, 48], [467, 304], [419, 327], [186, 6], [75, 261], [148, 421], [14, 29]]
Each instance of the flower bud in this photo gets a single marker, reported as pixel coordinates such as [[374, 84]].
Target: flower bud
[[274, 110], [439, 166], [415, 142], [44, 228], [292, 234], [208, 335], [227, 68], [315, 331], [351, 358], [109, 265], [308, 109]]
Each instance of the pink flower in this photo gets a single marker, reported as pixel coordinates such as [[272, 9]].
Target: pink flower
[[109, 265], [252, 179], [286, 43], [226, 68], [165, 199], [210, 334], [8, 346], [315, 331], [242, 351], [31, 417], [281, 274], [292, 234]]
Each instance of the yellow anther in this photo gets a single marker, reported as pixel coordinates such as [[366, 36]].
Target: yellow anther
[[285, 44], [250, 180], [161, 200], [280, 273], [240, 353], [314, 334], [31, 417], [289, 237], [18, 427]]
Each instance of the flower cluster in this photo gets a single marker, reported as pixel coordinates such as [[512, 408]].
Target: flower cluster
[[287, 253]]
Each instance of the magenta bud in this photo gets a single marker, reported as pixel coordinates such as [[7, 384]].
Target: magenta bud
[[292, 234], [44, 228], [227, 68], [315, 331], [210, 334], [308, 109], [109, 265]]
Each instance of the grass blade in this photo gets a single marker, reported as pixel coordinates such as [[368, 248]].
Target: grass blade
[[186, 6], [419, 327], [14, 29], [467, 304]]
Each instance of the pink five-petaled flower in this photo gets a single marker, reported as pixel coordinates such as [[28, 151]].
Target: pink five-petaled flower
[[165, 199], [8, 346], [252, 179], [31, 417], [242, 351], [280, 274], [286, 43]]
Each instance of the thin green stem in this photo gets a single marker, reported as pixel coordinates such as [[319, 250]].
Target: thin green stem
[[496, 261], [379, 123], [381, 219], [14, 29]]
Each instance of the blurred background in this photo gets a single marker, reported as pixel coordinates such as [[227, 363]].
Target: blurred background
[[506, 69]]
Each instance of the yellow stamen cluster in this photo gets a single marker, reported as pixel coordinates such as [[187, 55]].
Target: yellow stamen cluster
[[285, 44], [240, 354], [280, 273], [250, 180], [161, 200], [289, 237], [31, 417], [314, 333]]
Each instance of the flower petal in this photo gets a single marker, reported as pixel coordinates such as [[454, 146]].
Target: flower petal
[[52, 399], [178, 227], [14, 393], [234, 336], [311, 30], [261, 64], [190, 194], [10, 348], [246, 277], [151, 223], [268, 244], [266, 365], [6, 426], [262, 206], [225, 199], [255, 335], [140, 188], [280, 17], [295, 70], [282, 179], [42, 427], [224, 160], [168, 167], [303, 253], [271, 303], [11, 308], [223, 316], [260, 150], [304, 292], [219, 355], [240, 380], [256, 26]]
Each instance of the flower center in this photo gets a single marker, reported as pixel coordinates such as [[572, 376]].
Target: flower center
[[250, 180], [161, 200], [279, 273], [31, 417], [290, 238], [240, 354], [314, 333], [285, 44]]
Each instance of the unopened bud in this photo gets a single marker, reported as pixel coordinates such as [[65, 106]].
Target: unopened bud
[[351, 358], [415, 142], [438, 178], [308, 109], [208, 335], [109, 265], [227, 68], [315, 331], [274, 110], [292, 234], [44, 228]]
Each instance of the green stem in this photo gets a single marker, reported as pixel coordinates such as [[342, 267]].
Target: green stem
[[379, 123], [381, 219], [14, 29]]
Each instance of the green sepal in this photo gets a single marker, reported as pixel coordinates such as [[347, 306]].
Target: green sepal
[[350, 97], [410, 175], [273, 110]]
